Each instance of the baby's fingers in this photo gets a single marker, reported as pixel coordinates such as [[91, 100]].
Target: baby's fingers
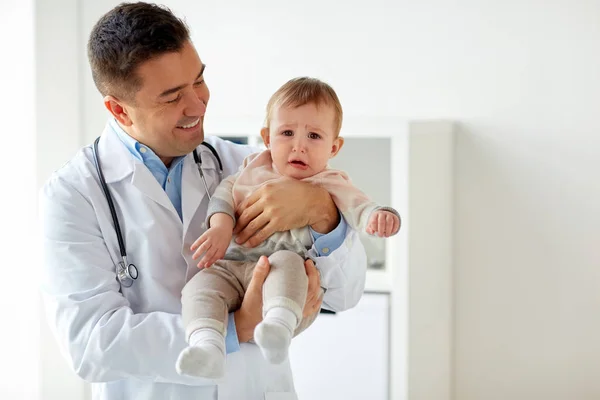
[[198, 242], [396, 226], [208, 259], [205, 247], [381, 224], [372, 225], [389, 225]]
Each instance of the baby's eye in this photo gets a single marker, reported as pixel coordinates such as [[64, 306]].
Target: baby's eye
[[287, 133], [313, 135]]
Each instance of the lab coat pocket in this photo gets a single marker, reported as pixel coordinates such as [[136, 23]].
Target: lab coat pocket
[[280, 396]]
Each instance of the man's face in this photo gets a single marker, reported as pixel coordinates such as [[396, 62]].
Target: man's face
[[168, 112]]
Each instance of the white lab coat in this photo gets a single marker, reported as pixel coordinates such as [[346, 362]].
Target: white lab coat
[[127, 342]]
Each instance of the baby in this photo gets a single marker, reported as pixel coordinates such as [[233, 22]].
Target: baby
[[301, 132]]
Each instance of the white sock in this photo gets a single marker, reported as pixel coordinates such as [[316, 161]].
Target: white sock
[[205, 356], [274, 334]]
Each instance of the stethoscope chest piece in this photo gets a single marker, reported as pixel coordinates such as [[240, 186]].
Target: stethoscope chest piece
[[126, 275]]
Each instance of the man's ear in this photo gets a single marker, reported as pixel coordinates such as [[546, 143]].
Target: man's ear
[[264, 132], [118, 109], [338, 143]]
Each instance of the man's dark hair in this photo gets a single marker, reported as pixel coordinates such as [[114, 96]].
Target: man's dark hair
[[127, 36]]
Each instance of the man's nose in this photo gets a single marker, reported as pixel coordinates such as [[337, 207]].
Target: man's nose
[[196, 106]]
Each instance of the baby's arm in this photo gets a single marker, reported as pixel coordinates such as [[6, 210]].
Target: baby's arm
[[359, 211], [212, 244]]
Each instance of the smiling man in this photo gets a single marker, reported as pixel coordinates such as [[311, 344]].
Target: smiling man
[[138, 197]]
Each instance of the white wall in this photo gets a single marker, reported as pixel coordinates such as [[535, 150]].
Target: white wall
[[58, 137], [19, 336], [522, 77]]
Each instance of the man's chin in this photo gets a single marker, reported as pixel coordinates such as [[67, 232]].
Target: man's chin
[[189, 140]]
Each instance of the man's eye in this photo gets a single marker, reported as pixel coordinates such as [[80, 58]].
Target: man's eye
[[199, 83], [287, 133], [313, 135], [175, 100]]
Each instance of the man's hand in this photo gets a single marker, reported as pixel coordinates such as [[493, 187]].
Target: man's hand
[[250, 313], [383, 224], [314, 296], [282, 205]]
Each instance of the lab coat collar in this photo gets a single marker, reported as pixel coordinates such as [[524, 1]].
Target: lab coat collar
[[117, 162]]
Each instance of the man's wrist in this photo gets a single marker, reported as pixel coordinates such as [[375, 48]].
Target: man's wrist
[[244, 334], [325, 214]]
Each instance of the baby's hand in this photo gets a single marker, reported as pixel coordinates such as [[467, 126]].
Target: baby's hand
[[213, 244], [383, 224]]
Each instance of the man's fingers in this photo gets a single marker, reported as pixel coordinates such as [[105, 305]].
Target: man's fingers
[[250, 200], [259, 275], [261, 234], [313, 305], [248, 214], [313, 279], [257, 223]]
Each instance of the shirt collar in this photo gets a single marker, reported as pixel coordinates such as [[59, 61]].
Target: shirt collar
[[140, 151]]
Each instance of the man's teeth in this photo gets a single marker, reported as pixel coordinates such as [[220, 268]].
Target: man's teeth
[[193, 124]]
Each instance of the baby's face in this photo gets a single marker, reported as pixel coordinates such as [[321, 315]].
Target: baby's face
[[302, 139]]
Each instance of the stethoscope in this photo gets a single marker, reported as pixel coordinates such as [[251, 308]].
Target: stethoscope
[[127, 272]]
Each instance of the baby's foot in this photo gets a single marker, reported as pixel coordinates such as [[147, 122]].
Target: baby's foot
[[203, 361]]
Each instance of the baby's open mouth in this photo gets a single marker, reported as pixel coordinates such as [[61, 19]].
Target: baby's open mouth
[[298, 162]]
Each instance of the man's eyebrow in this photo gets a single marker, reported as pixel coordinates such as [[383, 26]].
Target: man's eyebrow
[[178, 88]]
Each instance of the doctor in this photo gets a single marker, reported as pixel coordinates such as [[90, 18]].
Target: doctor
[[125, 335]]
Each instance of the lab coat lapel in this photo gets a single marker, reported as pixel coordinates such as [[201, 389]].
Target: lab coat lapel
[[193, 192], [147, 184], [115, 159], [118, 163]]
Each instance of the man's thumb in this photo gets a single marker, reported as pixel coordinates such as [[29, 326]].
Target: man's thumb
[[260, 272]]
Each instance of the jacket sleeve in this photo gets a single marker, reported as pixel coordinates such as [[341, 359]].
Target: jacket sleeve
[[343, 273], [100, 336], [222, 200]]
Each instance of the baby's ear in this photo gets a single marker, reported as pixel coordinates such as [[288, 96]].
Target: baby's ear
[[338, 143], [264, 133]]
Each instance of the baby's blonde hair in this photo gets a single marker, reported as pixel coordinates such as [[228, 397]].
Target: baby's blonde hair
[[304, 90]]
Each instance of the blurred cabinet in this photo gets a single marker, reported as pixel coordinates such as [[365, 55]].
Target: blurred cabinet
[[396, 344], [345, 355]]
